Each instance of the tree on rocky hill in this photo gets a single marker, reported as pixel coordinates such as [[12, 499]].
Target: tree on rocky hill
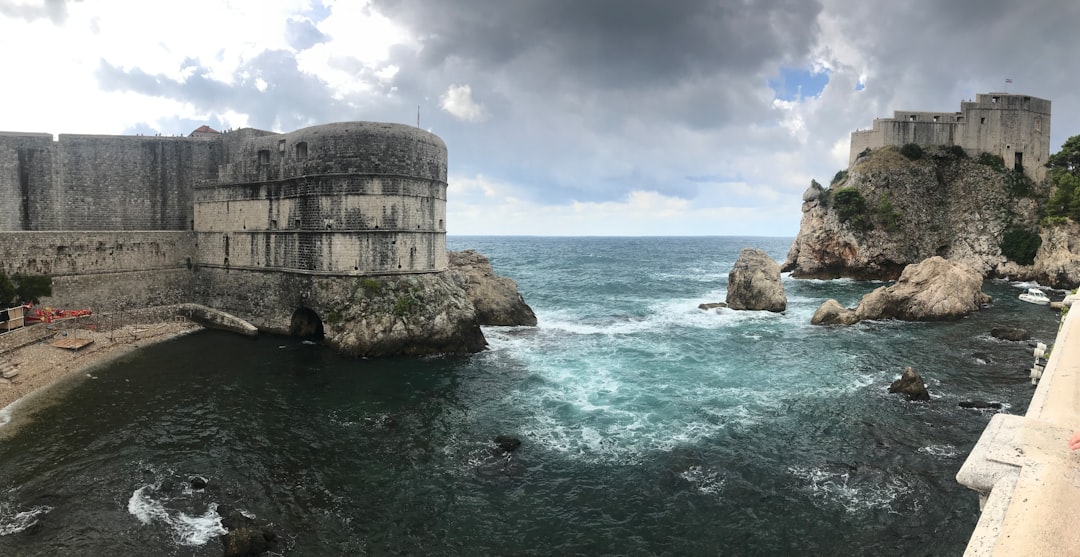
[[1065, 176]]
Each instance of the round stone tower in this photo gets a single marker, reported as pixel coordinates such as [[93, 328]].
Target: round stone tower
[[354, 198]]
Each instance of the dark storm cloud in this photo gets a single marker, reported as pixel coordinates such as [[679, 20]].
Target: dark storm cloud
[[609, 43], [55, 10], [595, 92]]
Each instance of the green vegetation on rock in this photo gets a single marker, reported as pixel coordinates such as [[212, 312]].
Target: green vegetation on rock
[[1020, 245], [850, 208], [23, 288], [993, 161], [887, 214], [839, 177], [911, 151], [1065, 178], [404, 305]]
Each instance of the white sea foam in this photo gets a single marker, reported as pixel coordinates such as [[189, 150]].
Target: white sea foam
[[940, 451], [186, 529], [840, 488], [12, 521], [707, 481]]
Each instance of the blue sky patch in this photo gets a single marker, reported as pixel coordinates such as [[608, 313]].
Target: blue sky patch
[[795, 83]]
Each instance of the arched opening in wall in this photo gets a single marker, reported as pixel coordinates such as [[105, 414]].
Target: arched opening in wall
[[306, 323]]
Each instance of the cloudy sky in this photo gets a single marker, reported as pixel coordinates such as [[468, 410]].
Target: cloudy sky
[[562, 117]]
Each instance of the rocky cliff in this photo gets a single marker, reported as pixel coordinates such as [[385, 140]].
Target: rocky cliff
[[425, 313], [1057, 264], [891, 209]]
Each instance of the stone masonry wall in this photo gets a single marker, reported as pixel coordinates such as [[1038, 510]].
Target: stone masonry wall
[[1014, 127], [104, 271], [25, 168]]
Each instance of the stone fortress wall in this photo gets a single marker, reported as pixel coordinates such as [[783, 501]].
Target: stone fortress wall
[[134, 221], [1014, 127]]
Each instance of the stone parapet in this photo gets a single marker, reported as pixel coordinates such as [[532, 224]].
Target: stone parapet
[[1027, 479]]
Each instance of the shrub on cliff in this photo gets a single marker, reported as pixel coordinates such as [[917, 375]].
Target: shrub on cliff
[[850, 208], [911, 151], [993, 161], [957, 151], [839, 177], [886, 213], [1020, 245]]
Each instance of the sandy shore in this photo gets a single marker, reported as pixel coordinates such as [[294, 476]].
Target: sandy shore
[[40, 365]]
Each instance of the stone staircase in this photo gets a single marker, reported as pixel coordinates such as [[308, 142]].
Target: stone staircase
[[7, 371]]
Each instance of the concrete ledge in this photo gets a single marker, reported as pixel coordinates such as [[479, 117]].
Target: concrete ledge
[[1027, 479], [215, 319], [996, 456]]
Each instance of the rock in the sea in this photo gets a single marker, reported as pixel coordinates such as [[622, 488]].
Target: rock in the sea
[[496, 298], [712, 305], [910, 384], [1010, 333], [754, 283], [507, 443], [980, 404], [930, 290], [245, 536], [198, 482], [832, 313]]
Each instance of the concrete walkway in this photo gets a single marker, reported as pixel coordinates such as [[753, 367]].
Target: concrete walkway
[[1028, 480]]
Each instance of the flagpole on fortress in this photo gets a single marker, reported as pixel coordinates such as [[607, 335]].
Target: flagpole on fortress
[[1007, 82]]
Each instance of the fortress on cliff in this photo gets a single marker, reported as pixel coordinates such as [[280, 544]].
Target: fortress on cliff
[[253, 222], [1014, 127]]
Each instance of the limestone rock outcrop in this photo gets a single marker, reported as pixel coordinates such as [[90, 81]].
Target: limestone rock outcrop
[[931, 290], [409, 315], [404, 315], [754, 283], [910, 384], [1057, 263], [832, 313], [495, 297], [886, 212]]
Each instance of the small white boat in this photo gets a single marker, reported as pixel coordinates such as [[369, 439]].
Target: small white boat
[[1035, 296]]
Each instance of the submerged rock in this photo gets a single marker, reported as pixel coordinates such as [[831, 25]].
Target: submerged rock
[[1010, 333], [754, 283], [910, 384], [980, 404], [507, 443], [245, 536], [711, 305]]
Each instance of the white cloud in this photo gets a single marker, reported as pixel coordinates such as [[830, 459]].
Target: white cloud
[[477, 205], [458, 101]]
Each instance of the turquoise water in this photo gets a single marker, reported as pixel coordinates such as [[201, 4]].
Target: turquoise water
[[649, 427]]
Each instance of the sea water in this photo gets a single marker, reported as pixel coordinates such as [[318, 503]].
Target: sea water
[[648, 426]]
